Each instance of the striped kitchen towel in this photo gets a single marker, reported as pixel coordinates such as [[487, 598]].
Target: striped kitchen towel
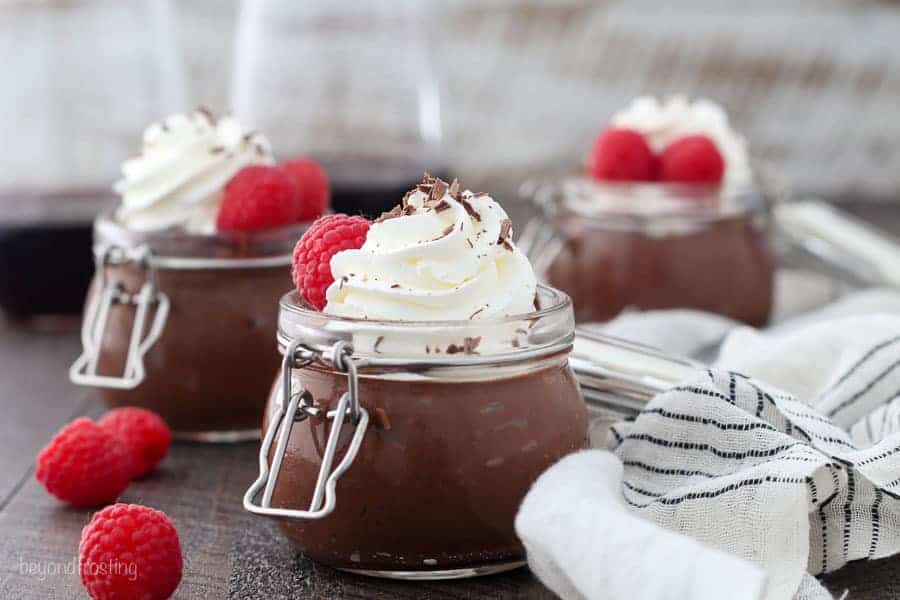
[[796, 484]]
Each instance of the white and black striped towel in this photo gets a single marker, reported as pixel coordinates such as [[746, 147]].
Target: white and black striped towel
[[783, 465]]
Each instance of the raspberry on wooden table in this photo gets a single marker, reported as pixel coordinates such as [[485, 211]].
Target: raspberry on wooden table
[[130, 551], [312, 255], [84, 465], [258, 197], [143, 432], [622, 155], [692, 159], [311, 182]]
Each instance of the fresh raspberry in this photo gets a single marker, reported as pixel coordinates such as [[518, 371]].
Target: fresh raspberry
[[311, 181], [692, 159], [258, 197], [84, 465], [130, 551], [312, 255], [622, 155], [143, 432]]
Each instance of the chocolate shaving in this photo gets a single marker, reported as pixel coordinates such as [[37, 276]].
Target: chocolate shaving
[[441, 206], [424, 188], [470, 243], [506, 245], [438, 190], [470, 344], [479, 195], [447, 231], [378, 343], [217, 150], [409, 209], [472, 316], [427, 350], [208, 114], [469, 209], [454, 349], [393, 214], [537, 302], [395, 286], [515, 343], [454, 189], [505, 227]]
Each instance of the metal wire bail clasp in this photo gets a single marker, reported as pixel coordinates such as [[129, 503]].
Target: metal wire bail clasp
[[84, 370], [297, 406]]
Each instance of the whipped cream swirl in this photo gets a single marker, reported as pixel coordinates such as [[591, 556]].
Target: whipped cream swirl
[[662, 122], [442, 255], [185, 162]]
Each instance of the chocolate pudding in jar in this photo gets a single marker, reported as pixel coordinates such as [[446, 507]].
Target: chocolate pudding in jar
[[669, 215], [445, 390], [181, 311]]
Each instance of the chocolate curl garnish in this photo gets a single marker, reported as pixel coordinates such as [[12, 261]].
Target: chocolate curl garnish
[[454, 189], [438, 189], [378, 343], [393, 214], [537, 302], [470, 209], [447, 231], [505, 227], [207, 114], [441, 206]]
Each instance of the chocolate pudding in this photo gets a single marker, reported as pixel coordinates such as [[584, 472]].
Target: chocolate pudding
[[446, 365], [726, 267], [441, 471], [208, 374], [710, 253]]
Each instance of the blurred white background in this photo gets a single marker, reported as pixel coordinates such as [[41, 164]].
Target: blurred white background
[[525, 85]]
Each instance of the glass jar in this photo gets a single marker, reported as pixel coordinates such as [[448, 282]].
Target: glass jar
[[182, 324], [612, 246], [366, 102], [435, 429]]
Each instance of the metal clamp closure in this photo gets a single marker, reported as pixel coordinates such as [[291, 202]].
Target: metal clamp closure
[[297, 405], [84, 370]]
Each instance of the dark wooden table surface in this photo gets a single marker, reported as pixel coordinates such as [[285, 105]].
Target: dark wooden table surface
[[228, 553]]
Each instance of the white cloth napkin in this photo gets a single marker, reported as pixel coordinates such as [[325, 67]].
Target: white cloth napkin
[[780, 462]]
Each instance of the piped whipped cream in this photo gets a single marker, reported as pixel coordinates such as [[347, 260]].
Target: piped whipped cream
[[441, 255], [664, 121], [185, 162]]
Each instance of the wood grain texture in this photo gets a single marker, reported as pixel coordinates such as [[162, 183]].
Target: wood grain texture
[[36, 398]]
